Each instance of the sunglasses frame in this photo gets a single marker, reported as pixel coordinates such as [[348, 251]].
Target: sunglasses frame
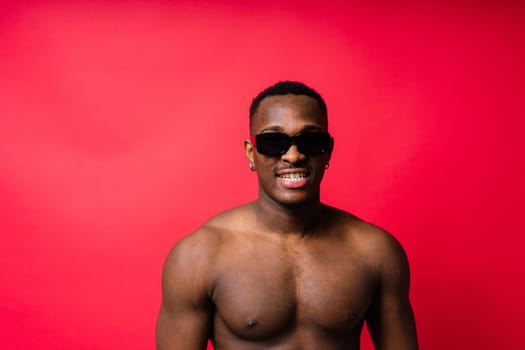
[[296, 139]]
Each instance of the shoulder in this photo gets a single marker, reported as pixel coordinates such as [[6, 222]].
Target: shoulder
[[379, 248], [201, 248], [383, 251], [376, 238], [186, 264]]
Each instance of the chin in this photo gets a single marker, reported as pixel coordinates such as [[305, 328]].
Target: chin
[[295, 201]]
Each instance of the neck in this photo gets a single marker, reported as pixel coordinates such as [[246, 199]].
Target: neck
[[301, 219]]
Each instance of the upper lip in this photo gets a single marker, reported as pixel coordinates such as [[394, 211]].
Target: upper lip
[[292, 171]]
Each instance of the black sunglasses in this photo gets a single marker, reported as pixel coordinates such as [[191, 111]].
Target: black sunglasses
[[276, 143]]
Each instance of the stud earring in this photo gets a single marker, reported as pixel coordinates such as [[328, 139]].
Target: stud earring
[[326, 166], [252, 167]]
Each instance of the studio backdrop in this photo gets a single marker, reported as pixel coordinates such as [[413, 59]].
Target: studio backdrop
[[122, 127]]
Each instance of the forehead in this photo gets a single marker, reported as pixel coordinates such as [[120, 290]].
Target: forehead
[[289, 114]]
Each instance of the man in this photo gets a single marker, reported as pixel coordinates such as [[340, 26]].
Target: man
[[286, 271]]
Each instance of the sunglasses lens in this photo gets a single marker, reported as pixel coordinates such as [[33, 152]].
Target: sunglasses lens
[[272, 143], [313, 142]]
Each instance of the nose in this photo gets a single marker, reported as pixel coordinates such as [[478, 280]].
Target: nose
[[293, 156]]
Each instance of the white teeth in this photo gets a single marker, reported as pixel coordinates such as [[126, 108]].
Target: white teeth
[[293, 177]]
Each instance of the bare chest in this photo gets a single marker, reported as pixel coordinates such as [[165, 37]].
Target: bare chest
[[266, 293]]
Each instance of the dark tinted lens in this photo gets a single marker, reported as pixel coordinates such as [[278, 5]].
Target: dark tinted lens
[[272, 143], [313, 142]]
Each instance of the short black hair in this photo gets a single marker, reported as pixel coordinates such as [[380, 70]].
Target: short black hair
[[285, 88]]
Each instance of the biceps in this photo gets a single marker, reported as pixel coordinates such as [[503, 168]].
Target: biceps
[[391, 322], [183, 328]]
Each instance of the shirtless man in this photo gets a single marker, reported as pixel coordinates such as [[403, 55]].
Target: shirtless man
[[286, 271]]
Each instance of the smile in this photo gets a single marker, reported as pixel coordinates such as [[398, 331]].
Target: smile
[[295, 177]]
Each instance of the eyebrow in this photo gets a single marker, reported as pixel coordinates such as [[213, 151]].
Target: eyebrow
[[279, 128]]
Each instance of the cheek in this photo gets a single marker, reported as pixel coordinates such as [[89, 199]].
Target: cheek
[[321, 162], [264, 162], [262, 165]]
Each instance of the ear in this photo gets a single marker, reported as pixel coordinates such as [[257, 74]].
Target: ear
[[249, 150]]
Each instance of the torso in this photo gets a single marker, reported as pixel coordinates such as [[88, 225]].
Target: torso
[[309, 292]]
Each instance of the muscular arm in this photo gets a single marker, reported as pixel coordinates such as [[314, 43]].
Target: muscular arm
[[184, 320], [390, 320]]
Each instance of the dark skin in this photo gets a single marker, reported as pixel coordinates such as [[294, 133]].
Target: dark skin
[[286, 271]]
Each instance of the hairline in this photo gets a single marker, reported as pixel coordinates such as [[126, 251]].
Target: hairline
[[283, 88]]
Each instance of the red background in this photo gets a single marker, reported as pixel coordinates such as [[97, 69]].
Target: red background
[[121, 129]]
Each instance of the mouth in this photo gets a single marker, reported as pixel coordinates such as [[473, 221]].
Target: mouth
[[293, 179]]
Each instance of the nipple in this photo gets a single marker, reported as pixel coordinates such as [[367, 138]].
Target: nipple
[[351, 317], [251, 323]]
